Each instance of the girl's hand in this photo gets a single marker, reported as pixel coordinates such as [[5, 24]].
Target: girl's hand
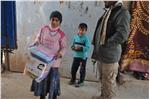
[[34, 44], [58, 55]]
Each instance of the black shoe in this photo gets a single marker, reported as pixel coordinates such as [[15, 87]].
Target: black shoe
[[54, 96], [42, 97], [139, 75], [79, 84], [71, 82]]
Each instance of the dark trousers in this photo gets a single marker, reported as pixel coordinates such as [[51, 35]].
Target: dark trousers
[[78, 62]]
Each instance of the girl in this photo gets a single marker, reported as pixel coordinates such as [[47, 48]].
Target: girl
[[52, 37]]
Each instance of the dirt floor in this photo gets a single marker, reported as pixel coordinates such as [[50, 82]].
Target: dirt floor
[[17, 86]]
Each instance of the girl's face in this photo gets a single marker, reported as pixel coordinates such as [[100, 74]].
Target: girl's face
[[55, 22], [82, 31]]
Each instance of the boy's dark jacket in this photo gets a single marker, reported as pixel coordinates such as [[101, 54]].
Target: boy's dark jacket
[[118, 28]]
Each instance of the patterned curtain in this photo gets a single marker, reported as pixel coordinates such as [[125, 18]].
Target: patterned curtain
[[135, 56]]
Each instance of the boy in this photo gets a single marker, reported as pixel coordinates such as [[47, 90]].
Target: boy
[[80, 46]]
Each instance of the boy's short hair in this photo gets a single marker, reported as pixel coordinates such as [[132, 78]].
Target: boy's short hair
[[83, 26], [56, 14]]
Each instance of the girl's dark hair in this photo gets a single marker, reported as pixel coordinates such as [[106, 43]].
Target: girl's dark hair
[[56, 14]]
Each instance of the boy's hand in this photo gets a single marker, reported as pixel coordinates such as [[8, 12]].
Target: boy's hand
[[72, 47], [78, 48]]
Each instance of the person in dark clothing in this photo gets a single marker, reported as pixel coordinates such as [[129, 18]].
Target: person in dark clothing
[[111, 31]]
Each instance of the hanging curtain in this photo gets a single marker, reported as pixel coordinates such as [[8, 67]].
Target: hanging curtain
[[136, 53]]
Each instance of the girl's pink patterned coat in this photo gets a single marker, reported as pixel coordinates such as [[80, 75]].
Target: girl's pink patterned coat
[[54, 40]]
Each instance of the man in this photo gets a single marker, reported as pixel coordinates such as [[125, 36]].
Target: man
[[111, 31]]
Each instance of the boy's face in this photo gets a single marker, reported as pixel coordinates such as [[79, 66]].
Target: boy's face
[[55, 22], [82, 31]]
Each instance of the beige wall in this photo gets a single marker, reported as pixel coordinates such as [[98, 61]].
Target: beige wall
[[32, 15]]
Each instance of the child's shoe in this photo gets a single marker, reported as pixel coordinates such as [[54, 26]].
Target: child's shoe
[[79, 84], [71, 82]]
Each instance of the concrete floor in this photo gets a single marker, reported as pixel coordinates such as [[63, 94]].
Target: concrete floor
[[17, 86]]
